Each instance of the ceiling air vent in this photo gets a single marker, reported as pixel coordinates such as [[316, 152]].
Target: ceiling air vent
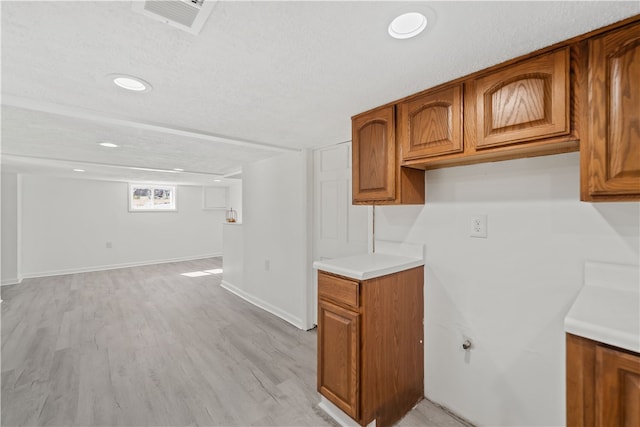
[[187, 15]]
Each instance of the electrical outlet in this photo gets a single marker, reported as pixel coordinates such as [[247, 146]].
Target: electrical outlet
[[267, 265], [108, 245], [478, 226]]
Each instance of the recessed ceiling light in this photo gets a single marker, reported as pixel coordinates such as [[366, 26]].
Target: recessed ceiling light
[[217, 180], [407, 25], [151, 169], [132, 83], [178, 169], [78, 170], [108, 144]]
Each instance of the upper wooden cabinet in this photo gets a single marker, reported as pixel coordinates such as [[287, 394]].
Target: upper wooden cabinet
[[431, 124], [580, 94], [374, 155], [611, 153], [523, 108], [377, 175], [524, 102]]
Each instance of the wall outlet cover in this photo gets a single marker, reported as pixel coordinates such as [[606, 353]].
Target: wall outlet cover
[[478, 225]]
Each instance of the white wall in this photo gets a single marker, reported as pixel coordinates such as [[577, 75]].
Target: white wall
[[508, 293], [276, 231], [9, 234], [235, 197], [233, 257], [66, 224]]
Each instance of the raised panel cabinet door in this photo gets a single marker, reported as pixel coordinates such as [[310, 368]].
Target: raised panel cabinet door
[[374, 158], [580, 381], [614, 104], [524, 102], [339, 356], [617, 388], [431, 124]]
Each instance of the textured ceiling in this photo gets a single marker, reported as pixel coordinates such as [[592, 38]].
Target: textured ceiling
[[260, 78]]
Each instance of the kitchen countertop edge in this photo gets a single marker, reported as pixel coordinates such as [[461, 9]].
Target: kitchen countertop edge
[[368, 266]]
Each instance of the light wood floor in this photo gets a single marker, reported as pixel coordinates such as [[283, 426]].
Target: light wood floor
[[148, 346]]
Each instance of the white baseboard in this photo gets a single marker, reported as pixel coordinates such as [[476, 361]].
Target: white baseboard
[[295, 321], [337, 414], [114, 266], [12, 281]]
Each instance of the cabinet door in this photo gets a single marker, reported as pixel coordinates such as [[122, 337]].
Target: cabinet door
[[339, 356], [524, 102], [431, 124], [374, 158], [580, 381], [617, 388], [614, 104]]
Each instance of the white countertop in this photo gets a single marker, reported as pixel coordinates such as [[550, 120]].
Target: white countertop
[[368, 266], [607, 308]]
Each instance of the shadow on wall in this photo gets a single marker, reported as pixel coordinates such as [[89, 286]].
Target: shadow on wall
[[624, 220], [550, 179], [555, 177]]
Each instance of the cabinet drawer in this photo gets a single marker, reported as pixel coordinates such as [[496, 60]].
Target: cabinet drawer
[[338, 289]]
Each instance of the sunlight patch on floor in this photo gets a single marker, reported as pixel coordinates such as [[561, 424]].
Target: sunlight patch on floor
[[202, 273]]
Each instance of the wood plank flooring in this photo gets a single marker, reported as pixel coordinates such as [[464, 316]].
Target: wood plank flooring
[[149, 346]]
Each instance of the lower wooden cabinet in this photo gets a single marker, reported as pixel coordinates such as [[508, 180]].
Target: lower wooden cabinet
[[603, 385], [370, 349], [617, 388], [339, 352]]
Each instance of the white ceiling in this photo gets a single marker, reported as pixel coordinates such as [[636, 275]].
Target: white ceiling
[[261, 78]]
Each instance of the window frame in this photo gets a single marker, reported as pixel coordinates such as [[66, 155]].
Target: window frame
[[152, 187]]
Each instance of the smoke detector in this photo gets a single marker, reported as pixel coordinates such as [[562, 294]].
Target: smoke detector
[[187, 15]]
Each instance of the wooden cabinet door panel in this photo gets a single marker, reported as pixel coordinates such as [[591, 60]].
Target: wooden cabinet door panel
[[524, 102], [339, 356], [614, 104], [392, 370], [431, 124], [617, 388], [374, 155]]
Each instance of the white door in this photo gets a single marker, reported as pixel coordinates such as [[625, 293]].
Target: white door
[[339, 228]]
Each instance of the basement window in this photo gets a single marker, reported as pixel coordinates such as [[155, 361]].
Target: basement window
[[152, 198]]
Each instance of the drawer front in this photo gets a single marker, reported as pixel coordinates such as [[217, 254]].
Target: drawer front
[[338, 289]]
